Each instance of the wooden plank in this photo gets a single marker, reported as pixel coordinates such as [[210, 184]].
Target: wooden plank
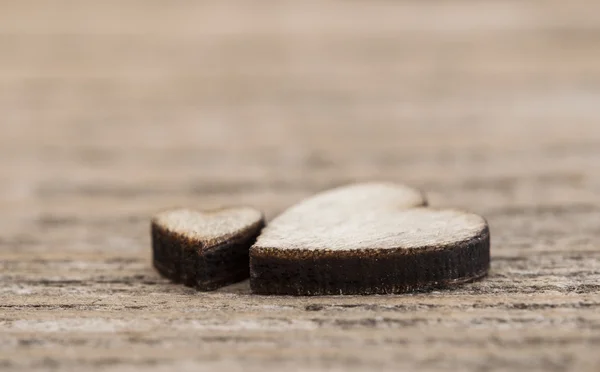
[[112, 110]]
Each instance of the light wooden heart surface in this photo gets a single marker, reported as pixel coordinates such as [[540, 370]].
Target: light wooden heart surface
[[211, 227], [372, 229], [368, 216]]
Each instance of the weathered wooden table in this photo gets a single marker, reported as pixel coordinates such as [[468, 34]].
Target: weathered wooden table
[[112, 110]]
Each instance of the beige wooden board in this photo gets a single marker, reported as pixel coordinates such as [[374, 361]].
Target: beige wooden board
[[112, 110]]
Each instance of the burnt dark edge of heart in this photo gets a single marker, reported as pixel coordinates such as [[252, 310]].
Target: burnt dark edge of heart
[[368, 271]]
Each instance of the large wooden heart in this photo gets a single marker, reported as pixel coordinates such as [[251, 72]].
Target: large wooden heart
[[205, 250], [368, 239]]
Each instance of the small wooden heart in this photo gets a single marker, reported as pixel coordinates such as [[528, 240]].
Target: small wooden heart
[[205, 250], [368, 239]]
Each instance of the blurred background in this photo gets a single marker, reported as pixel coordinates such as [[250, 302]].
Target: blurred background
[[154, 103], [111, 110]]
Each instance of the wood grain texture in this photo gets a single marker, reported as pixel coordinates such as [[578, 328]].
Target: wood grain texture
[[113, 110]]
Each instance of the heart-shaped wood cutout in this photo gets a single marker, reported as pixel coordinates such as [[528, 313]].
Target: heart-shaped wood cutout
[[205, 250], [368, 239]]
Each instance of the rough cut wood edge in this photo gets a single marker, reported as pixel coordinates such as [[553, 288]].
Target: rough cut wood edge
[[364, 272]]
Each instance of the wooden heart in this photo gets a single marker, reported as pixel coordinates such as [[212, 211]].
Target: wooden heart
[[205, 250], [368, 239]]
